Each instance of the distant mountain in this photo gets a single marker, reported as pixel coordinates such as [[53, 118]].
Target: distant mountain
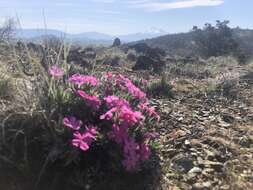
[[86, 37], [91, 36], [35, 33], [139, 36]]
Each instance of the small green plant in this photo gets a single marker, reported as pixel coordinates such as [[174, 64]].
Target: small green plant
[[160, 88]]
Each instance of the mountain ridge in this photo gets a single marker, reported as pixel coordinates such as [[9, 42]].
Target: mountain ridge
[[84, 36]]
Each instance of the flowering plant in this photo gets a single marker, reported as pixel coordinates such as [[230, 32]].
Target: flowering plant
[[117, 111]]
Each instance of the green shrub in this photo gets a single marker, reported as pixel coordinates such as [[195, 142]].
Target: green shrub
[[160, 88]]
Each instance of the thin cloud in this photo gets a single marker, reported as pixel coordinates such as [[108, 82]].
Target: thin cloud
[[162, 6]]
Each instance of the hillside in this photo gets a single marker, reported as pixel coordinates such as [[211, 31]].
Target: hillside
[[184, 44]]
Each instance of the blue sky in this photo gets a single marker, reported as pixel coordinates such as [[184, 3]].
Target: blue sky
[[126, 16]]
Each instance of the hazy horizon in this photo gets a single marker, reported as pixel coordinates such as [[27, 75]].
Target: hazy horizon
[[121, 17]]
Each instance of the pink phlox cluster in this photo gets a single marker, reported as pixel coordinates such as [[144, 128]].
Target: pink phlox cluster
[[135, 91], [56, 71], [84, 140], [125, 83], [72, 123], [129, 117], [92, 101], [124, 120], [125, 114], [80, 80], [149, 110], [114, 101]]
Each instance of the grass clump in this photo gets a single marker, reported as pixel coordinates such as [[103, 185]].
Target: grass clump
[[160, 88], [6, 87]]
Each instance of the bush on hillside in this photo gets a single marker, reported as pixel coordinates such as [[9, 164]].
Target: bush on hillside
[[160, 88], [215, 40]]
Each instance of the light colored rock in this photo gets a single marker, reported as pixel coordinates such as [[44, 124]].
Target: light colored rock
[[195, 170]]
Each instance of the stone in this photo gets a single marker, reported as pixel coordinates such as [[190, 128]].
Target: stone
[[183, 162], [225, 187], [202, 186], [195, 170], [187, 142]]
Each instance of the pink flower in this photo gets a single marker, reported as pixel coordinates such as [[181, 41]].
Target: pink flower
[[80, 80], [149, 110], [134, 91], [114, 101], [84, 140], [92, 101], [125, 83], [129, 117], [92, 130], [72, 123], [109, 114], [56, 71]]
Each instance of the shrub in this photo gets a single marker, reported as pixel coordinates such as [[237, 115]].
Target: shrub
[[228, 88], [215, 40], [6, 87], [160, 88], [109, 111], [131, 55], [242, 58], [116, 42]]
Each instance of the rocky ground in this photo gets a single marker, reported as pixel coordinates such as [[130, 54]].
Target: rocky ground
[[207, 142]]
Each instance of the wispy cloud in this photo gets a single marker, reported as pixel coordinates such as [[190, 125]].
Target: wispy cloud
[[152, 5]]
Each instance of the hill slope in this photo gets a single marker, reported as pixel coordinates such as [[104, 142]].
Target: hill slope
[[184, 44]]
